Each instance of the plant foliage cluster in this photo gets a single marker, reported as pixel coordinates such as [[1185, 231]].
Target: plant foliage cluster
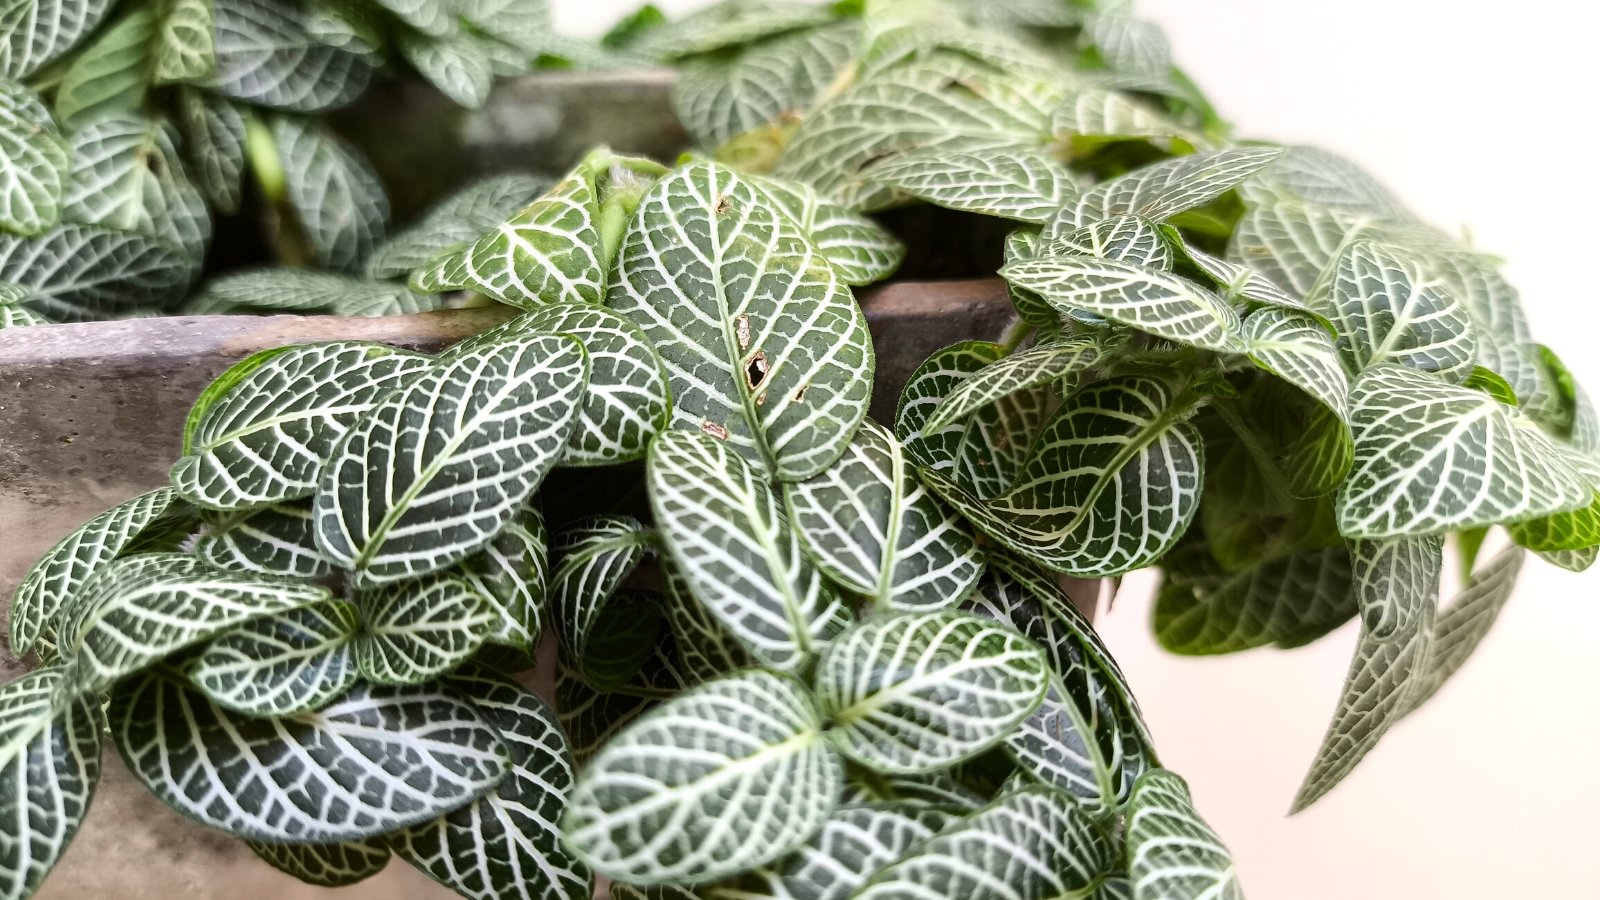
[[802, 653]]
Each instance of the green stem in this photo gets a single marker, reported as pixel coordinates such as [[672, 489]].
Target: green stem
[[1015, 334]]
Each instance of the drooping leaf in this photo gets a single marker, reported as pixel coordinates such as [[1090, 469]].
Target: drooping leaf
[[60, 575], [728, 776], [33, 162], [763, 345], [1172, 852], [76, 272], [1022, 184], [510, 576], [265, 56], [141, 609], [917, 692], [461, 217], [338, 200], [1030, 844], [1462, 625], [127, 174], [379, 759], [458, 64], [1385, 308], [606, 636], [37, 31], [186, 48], [326, 865], [1297, 349], [506, 843], [305, 291], [485, 426], [417, 629], [110, 74], [1204, 609], [1242, 283], [260, 434], [278, 665], [1164, 189], [213, 136], [49, 767], [1431, 457], [729, 538], [852, 845]]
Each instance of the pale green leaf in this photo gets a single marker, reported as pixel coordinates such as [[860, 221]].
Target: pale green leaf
[[213, 139], [37, 31], [1022, 184], [461, 217], [111, 74], [1295, 348], [1046, 364], [1314, 176], [1205, 609], [1465, 622], [730, 24], [1164, 189], [728, 536], [127, 174], [728, 776], [19, 317], [1240, 282], [33, 162], [764, 346], [338, 200], [305, 291], [1094, 114], [1129, 45], [859, 249], [484, 426], [427, 16], [292, 662], [457, 64], [186, 48], [1129, 239], [1291, 244], [265, 56], [917, 692], [1172, 852]]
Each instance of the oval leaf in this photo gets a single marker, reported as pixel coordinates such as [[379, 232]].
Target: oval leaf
[[292, 662]]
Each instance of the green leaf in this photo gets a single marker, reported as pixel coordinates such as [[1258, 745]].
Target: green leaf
[[110, 74], [1431, 457], [1205, 609], [549, 252], [33, 162], [1385, 308], [261, 433], [484, 426], [859, 249], [605, 635], [337, 197], [1164, 189], [706, 648], [1033, 843], [1316, 177], [459, 218], [507, 842], [55, 581], [1490, 383], [1092, 115], [731, 24], [874, 529], [917, 692], [78, 272], [1048, 363], [274, 540], [19, 317], [186, 48], [934, 792], [1295, 348], [1566, 531], [510, 576], [1571, 560], [127, 174], [37, 31], [728, 536], [457, 64], [377, 760], [415, 630], [139, 610], [305, 291], [983, 454], [265, 56], [523, 24], [728, 776], [1129, 239], [213, 136], [293, 662], [49, 766], [1463, 624], [1292, 244], [1129, 45], [1022, 184], [1172, 852], [326, 865], [764, 347], [852, 845], [1397, 586], [1147, 299], [768, 82], [1245, 284]]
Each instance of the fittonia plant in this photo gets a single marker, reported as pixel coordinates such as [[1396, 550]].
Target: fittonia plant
[[802, 653]]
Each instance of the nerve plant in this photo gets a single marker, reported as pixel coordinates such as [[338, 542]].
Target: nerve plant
[[801, 653]]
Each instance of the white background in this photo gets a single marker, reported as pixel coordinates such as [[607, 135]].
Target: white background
[[1479, 115]]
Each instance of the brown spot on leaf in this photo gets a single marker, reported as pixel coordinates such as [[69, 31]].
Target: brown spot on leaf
[[800, 395], [723, 205], [761, 398], [714, 429], [741, 329]]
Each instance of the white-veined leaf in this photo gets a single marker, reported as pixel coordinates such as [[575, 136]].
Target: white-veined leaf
[[278, 665], [12, 316], [213, 139], [933, 792], [37, 31], [1317, 177], [1462, 625], [592, 718], [1292, 244], [1386, 308], [1045, 364], [1128, 239], [49, 766], [379, 759], [729, 24], [265, 56], [1203, 608], [1240, 282], [1129, 45], [1171, 851], [326, 865], [852, 845], [606, 636], [523, 24], [110, 74], [1092, 114], [186, 48], [414, 630], [730, 540], [275, 540], [859, 249], [1397, 588], [461, 217], [457, 64], [138, 610], [127, 174], [727, 776], [436, 469], [77, 272], [1147, 299], [1295, 348], [59, 576], [1432, 456], [1164, 189], [305, 291], [1031, 844], [1023, 184], [763, 345], [874, 529], [704, 646], [506, 844], [338, 199], [260, 434], [510, 575], [33, 162], [983, 454], [916, 692]]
